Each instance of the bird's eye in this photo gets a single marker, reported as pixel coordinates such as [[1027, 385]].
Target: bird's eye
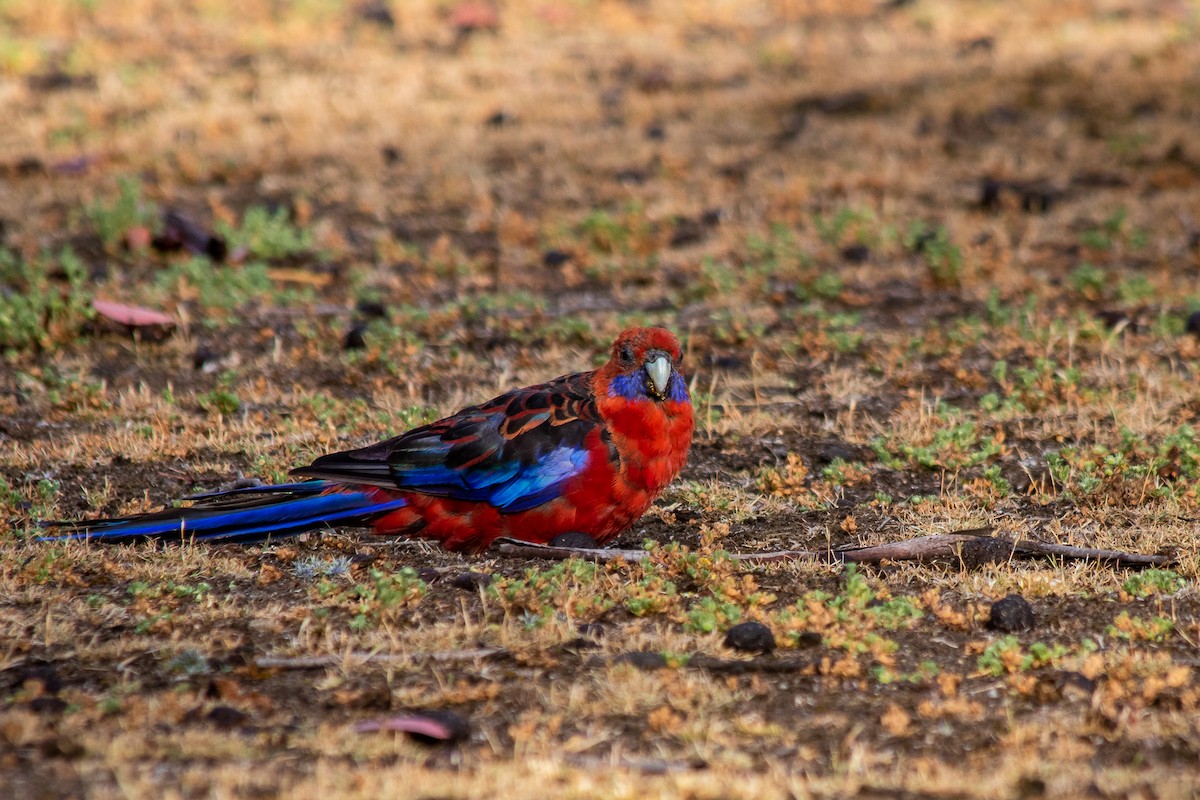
[[626, 355]]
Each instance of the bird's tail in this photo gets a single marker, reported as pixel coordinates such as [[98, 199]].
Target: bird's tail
[[243, 515]]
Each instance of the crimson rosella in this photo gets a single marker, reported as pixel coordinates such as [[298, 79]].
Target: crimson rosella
[[585, 453]]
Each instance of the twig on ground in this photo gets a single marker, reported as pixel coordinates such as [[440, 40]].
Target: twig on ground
[[316, 662], [972, 547]]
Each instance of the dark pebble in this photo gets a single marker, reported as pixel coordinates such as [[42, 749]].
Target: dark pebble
[[555, 258], [227, 717], [59, 747], [656, 133], [1011, 614], [808, 639], [392, 155], [989, 193], [471, 581], [1193, 323], [47, 705], [574, 539], [379, 14], [857, 254], [203, 357], [750, 637], [687, 231], [46, 675], [499, 119], [1037, 200], [372, 309], [355, 338], [833, 449], [642, 660], [29, 165]]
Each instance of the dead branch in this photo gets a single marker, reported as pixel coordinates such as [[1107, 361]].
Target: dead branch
[[971, 547], [360, 657]]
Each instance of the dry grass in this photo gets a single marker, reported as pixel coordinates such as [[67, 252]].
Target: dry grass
[[933, 266]]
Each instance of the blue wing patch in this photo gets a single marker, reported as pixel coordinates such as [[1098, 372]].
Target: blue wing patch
[[508, 485]]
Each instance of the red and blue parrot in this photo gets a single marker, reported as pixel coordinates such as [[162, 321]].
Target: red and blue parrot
[[585, 453]]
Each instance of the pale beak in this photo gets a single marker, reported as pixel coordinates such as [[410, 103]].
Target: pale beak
[[659, 371]]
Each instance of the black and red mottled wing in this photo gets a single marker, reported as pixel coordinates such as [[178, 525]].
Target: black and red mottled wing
[[514, 452]]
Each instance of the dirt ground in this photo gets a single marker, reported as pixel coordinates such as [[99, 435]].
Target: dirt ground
[[936, 266]]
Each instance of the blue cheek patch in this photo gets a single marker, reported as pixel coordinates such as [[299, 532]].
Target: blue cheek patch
[[631, 387], [677, 389]]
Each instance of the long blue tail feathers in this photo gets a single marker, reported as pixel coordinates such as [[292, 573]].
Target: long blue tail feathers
[[243, 516]]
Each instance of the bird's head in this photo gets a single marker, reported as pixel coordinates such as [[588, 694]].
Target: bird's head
[[645, 365]]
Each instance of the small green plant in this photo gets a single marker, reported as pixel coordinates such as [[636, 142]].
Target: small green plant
[[195, 593], [113, 220], [1088, 280], [711, 614], [943, 258], [925, 672], [956, 445], [215, 286], [1153, 582], [221, 401], [846, 224], [1006, 656], [381, 598], [1131, 628], [268, 234], [35, 310]]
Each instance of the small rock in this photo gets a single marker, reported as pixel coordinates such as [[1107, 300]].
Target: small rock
[[204, 357], [355, 338], [44, 676], [471, 581], [750, 637], [808, 639], [59, 747], [642, 659], [1193, 324], [1037, 199], [377, 13], [227, 718], [555, 258], [989, 193], [499, 119], [575, 539], [856, 254], [371, 309], [1011, 614], [47, 705]]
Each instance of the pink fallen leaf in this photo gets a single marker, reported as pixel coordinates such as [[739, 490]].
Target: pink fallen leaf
[[138, 237], [474, 16], [132, 316], [430, 727]]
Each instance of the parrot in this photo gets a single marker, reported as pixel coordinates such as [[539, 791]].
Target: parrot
[[585, 453]]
